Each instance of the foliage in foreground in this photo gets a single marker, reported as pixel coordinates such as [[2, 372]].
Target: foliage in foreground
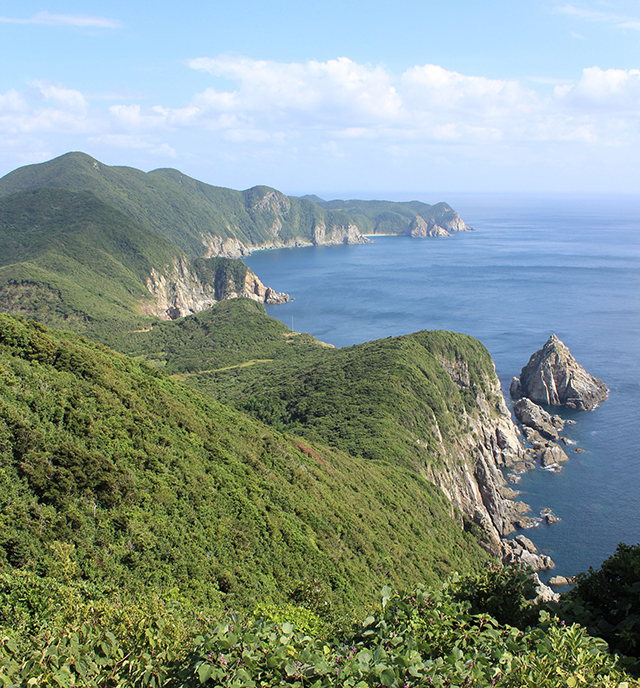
[[429, 637], [607, 601]]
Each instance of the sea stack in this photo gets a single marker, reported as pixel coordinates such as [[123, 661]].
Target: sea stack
[[554, 377]]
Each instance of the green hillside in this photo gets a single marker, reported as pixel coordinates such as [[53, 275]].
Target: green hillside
[[71, 260], [177, 207], [394, 400], [388, 217], [188, 212], [146, 484]]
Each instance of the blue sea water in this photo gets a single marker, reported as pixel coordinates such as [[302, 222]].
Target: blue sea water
[[534, 265]]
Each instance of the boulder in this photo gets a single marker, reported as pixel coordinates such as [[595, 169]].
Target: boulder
[[533, 416], [526, 543], [553, 454], [545, 593], [553, 376], [559, 580]]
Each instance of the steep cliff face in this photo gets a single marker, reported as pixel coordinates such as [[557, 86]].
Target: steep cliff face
[[337, 234], [181, 291], [471, 476], [473, 480], [421, 228], [216, 246]]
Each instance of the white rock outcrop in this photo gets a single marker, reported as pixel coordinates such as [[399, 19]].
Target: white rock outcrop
[[179, 291], [553, 376]]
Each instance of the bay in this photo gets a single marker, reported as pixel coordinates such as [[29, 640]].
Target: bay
[[533, 266]]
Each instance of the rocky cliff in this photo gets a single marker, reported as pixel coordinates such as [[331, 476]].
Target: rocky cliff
[[181, 290], [473, 480], [421, 228], [233, 248], [553, 376]]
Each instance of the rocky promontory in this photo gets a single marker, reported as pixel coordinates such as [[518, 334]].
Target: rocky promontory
[[554, 377]]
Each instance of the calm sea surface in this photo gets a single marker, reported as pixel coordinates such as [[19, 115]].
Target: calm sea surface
[[534, 265]]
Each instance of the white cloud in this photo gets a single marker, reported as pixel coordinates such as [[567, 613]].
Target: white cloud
[[45, 108], [619, 20], [82, 21], [314, 92], [611, 89], [359, 114]]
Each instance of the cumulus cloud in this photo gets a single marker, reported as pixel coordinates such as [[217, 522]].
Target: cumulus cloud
[[347, 100], [82, 21], [338, 108], [611, 89], [45, 108], [314, 93]]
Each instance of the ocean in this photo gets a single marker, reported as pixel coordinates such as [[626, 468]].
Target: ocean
[[533, 266]]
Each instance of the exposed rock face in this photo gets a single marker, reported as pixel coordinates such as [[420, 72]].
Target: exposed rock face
[[471, 477], [523, 552], [533, 416], [234, 248], [274, 202], [420, 228], [180, 291], [552, 376], [338, 234], [551, 455], [545, 593], [225, 248]]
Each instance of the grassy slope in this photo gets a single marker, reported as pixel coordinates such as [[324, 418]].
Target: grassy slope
[[69, 257], [175, 206], [154, 484], [70, 260], [387, 217], [374, 400]]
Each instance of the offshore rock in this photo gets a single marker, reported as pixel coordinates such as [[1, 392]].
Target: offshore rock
[[545, 593], [553, 454], [552, 376], [521, 551], [535, 417]]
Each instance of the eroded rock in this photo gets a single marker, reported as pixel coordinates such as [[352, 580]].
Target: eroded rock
[[533, 416], [553, 376], [553, 454]]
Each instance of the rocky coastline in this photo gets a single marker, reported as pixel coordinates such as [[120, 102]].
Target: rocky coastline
[[180, 291], [480, 489]]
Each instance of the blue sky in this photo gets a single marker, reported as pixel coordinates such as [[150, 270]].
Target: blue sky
[[401, 96]]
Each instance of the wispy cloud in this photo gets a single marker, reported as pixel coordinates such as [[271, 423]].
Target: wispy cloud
[[82, 21], [619, 20]]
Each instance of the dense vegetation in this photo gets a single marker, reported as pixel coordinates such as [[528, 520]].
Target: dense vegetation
[[176, 207], [400, 400], [388, 217], [182, 209], [72, 261], [140, 481], [607, 602], [472, 631], [150, 535]]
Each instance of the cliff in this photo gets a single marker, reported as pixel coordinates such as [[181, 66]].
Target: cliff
[[183, 290], [209, 221]]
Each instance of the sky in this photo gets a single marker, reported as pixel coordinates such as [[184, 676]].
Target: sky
[[409, 96]]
